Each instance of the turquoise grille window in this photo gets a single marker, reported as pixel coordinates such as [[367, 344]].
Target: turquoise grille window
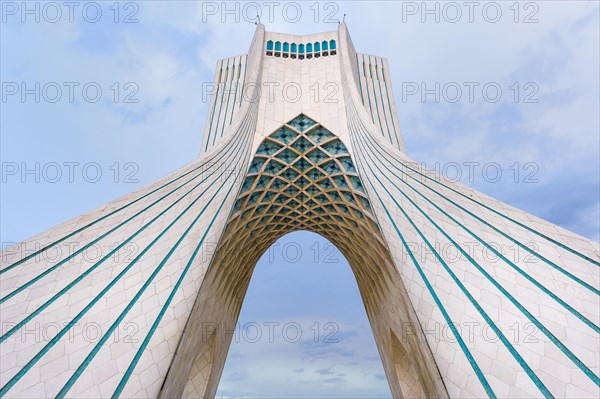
[[301, 51]]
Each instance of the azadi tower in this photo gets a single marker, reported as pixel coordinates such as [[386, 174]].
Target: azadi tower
[[466, 296]]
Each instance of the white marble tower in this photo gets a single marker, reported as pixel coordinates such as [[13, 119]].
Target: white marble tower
[[466, 296]]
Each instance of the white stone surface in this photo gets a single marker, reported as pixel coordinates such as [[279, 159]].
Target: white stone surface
[[140, 321]]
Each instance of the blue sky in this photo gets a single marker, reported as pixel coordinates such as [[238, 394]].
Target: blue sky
[[172, 50]]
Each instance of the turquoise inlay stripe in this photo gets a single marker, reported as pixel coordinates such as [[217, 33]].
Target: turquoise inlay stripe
[[466, 292], [214, 137], [375, 98], [499, 254], [134, 300], [438, 302], [517, 304], [60, 334], [362, 98], [367, 88], [92, 268], [148, 337], [212, 115], [387, 94], [243, 83], [228, 98], [540, 256], [387, 126], [74, 254], [13, 265], [563, 246], [237, 83]]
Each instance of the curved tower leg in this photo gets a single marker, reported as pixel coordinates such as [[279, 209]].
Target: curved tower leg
[[466, 296]]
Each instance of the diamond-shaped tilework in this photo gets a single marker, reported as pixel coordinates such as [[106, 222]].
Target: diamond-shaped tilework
[[315, 174], [301, 123], [302, 164], [326, 184], [267, 148], [340, 181], [344, 208], [317, 156], [260, 209], [331, 167], [335, 148], [263, 181], [287, 156], [268, 196], [273, 167], [365, 202], [313, 190], [248, 183], [289, 174], [291, 190], [256, 164], [278, 184], [300, 176], [348, 165], [254, 197], [302, 182], [281, 198], [239, 203], [356, 183], [247, 213], [284, 135], [321, 198], [319, 135], [302, 145]]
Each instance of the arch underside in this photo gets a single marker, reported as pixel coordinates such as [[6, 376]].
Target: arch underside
[[302, 178]]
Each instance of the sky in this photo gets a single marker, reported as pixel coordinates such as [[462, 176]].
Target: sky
[[72, 151]]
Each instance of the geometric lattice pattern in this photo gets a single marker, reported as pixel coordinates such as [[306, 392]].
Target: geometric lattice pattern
[[173, 260], [302, 176]]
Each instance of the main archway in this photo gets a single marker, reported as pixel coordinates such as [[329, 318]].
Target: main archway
[[303, 331], [302, 177], [429, 254]]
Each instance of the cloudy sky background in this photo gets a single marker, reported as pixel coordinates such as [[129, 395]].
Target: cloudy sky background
[[172, 50]]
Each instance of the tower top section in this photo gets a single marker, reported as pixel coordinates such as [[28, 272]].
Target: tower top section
[[315, 74]]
